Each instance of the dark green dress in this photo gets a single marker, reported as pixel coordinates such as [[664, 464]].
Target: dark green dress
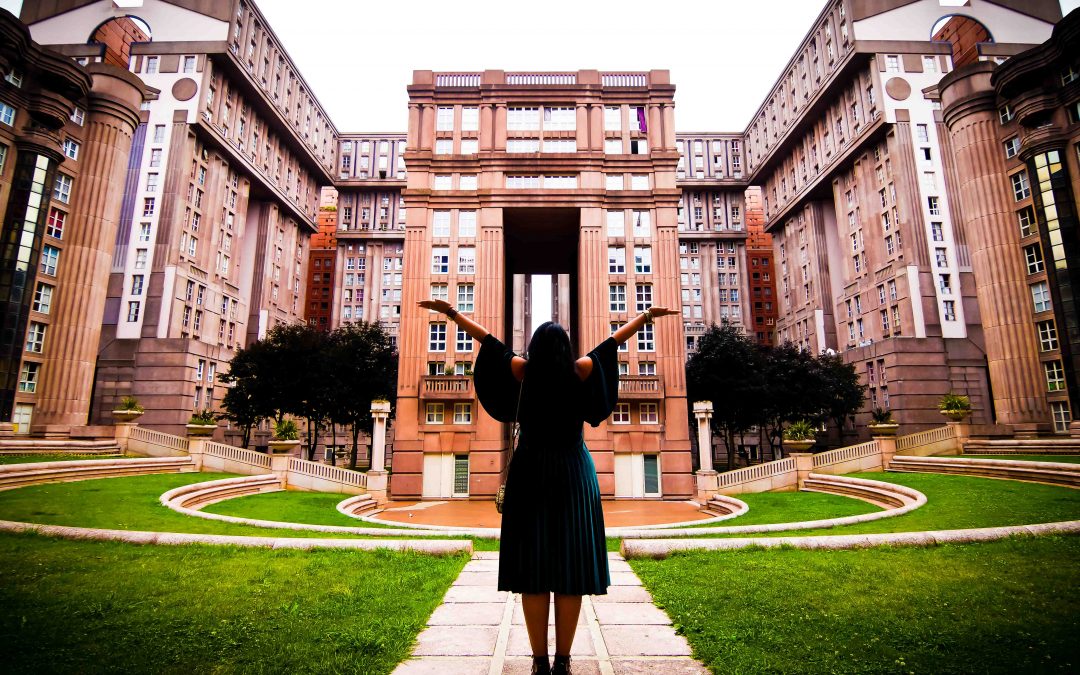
[[552, 525]]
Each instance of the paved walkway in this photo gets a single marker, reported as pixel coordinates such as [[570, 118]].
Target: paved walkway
[[481, 631], [466, 513]]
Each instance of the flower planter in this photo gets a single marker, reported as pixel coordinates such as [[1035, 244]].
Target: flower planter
[[201, 430], [126, 415], [956, 415], [799, 446], [278, 447], [887, 429]]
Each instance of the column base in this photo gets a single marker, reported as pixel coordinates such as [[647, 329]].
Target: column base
[[804, 464], [377, 482], [707, 485]]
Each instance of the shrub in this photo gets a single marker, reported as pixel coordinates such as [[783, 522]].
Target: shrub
[[882, 416], [955, 402], [205, 417], [130, 403], [285, 430], [800, 431]]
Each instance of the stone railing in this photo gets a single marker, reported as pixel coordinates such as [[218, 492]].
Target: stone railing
[[776, 475], [221, 457], [457, 80], [861, 457], [447, 386], [624, 79], [143, 441], [307, 475], [937, 441], [640, 386], [541, 78]]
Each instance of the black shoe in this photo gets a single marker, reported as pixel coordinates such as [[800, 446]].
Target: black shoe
[[562, 666], [541, 666]]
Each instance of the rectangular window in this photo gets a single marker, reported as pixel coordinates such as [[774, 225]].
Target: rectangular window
[[647, 368], [643, 297], [437, 337], [616, 224], [646, 340], [28, 377], [560, 145], [613, 181], [50, 256], [1040, 296], [71, 149], [136, 284], [612, 118], [466, 297], [466, 260], [614, 327], [1012, 146], [1061, 414], [155, 157], [444, 146], [933, 205], [639, 182], [189, 64], [439, 292], [440, 260], [151, 182], [1021, 188], [641, 224], [617, 297], [440, 226], [462, 415], [434, 413], [470, 118], [444, 118], [469, 146], [133, 311], [3, 156], [1048, 339], [148, 207], [463, 343], [523, 119], [55, 225], [43, 298], [949, 310], [151, 64], [621, 414], [936, 231], [643, 259], [945, 283], [1034, 259], [466, 223], [616, 260], [648, 415], [613, 146], [62, 188], [522, 145], [1026, 218], [1005, 114], [7, 114], [941, 257], [892, 63], [35, 337], [1055, 376]]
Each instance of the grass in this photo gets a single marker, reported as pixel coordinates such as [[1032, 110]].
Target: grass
[[1004, 607], [29, 459], [787, 507], [1069, 459], [293, 506], [92, 607], [959, 502]]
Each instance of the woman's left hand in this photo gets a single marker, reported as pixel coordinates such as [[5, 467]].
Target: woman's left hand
[[436, 305]]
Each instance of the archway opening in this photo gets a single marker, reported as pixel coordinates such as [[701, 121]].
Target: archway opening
[[964, 34], [117, 35]]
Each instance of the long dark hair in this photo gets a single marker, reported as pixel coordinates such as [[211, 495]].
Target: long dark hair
[[551, 362]]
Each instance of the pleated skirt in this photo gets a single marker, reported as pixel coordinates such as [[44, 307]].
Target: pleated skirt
[[553, 524]]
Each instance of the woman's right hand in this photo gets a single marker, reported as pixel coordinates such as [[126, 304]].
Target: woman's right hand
[[655, 312], [436, 305]]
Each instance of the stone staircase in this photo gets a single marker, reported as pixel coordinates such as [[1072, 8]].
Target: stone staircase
[[358, 505], [57, 446], [1023, 446], [885, 497], [19, 475], [1055, 473], [723, 505], [198, 495]]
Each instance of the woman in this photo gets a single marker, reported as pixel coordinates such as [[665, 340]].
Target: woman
[[553, 526]]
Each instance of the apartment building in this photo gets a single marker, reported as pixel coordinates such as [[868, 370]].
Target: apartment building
[[1015, 130], [764, 305], [859, 180], [322, 264], [221, 197], [712, 232], [65, 131]]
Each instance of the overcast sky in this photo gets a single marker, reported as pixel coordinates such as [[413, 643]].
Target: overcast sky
[[358, 55]]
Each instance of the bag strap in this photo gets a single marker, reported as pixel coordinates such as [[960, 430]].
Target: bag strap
[[516, 430]]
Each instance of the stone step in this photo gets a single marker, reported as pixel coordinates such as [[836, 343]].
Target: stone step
[[881, 497], [1040, 472], [20, 475], [1023, 446]]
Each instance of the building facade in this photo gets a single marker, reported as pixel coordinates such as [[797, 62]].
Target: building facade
[[861, 193], [220, 202]]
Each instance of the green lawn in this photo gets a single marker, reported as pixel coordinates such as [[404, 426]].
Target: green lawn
[[293, 506], [1068, 459], [788, 507], [958, 502], [94, 607], [28, 459], [1004, 607]]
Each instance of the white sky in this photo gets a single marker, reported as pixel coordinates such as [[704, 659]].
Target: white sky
[[358, 55]]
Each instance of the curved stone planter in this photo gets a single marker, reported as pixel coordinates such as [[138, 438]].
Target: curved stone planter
[[1054, 473], [21, 475]]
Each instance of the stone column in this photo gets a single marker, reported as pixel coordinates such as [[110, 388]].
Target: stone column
[[79, 298], [804, 465], [970, 113], [376, 475], [707, 484], [887, 446]]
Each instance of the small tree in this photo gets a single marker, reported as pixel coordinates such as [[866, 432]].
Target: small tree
[[842, 394], [364, 368], [727, 370]]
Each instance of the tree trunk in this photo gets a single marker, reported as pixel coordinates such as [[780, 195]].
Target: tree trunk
[[333, 443], [729, 440], [355, 443], [311, 435], [245, 439]]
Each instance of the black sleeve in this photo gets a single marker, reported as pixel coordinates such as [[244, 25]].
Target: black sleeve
[[496, 387], [602, 385]]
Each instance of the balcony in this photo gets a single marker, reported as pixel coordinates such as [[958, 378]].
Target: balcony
[[447, 387], [640, 387]]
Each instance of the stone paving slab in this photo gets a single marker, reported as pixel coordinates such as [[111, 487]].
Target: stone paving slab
[[480, 630]]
